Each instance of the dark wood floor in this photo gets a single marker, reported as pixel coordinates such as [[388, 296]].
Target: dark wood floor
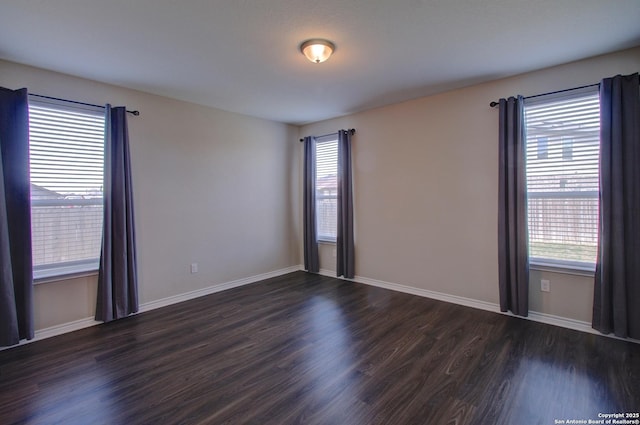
[[309, 349]]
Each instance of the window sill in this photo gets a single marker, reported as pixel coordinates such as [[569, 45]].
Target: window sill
[[575, 270], [327, 242], [61, 273]]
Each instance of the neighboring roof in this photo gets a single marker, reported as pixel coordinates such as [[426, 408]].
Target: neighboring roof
[[327, 182], [41, 192]]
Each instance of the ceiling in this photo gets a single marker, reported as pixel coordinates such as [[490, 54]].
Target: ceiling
[[242, 55]]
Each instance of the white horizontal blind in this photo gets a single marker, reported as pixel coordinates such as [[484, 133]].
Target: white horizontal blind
[[327, 187], [562, 156], [66, 145]]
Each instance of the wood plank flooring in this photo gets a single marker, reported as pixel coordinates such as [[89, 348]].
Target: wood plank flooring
[[307, 349]]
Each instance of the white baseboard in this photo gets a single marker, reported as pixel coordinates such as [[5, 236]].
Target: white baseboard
[[152, 305], [535, 316], [454, 299], [64, 328], [440, 296]]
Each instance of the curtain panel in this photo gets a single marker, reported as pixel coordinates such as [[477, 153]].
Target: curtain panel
[[345, 249], [117, 275], [311, 256], [16, 285], [513, 256], [616, 303]]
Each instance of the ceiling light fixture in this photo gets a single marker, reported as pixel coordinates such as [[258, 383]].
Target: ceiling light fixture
[[317, 50]]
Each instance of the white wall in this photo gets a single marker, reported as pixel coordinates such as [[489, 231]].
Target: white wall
[[222, 190], [211, 187], [426, 188]]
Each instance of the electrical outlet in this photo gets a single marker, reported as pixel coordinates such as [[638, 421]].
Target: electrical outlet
[[545, 285], [194, 267]]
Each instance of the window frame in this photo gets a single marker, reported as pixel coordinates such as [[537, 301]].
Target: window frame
[[73, 268], [542, 263], [325, 238]]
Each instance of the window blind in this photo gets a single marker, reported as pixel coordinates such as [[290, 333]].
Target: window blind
[[66, 146], [327, 187], [562, 155]]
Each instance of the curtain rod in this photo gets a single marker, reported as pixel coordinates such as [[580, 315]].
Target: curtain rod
[[351, 130], [494, 103], [136, 113]]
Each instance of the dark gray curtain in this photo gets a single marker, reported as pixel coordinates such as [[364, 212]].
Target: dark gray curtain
[[117, 277], [345, 251], [311, 258], [616, 301], [16, 285], [513, 256]]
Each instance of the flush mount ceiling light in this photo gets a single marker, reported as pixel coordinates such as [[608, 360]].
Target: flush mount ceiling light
[[317, 50]]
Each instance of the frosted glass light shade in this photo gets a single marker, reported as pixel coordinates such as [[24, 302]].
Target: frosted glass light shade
[[317, 50]]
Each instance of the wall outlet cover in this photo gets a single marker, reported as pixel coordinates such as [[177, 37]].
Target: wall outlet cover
[[545, 285]]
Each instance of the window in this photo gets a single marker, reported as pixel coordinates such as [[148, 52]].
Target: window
[[567, 149], [66, 147], [543, 147], [562, 182], [327, 187]]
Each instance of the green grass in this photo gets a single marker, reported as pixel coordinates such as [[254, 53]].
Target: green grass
[[556, 251]]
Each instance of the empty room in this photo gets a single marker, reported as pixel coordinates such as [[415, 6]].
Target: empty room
[[343, 212]]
